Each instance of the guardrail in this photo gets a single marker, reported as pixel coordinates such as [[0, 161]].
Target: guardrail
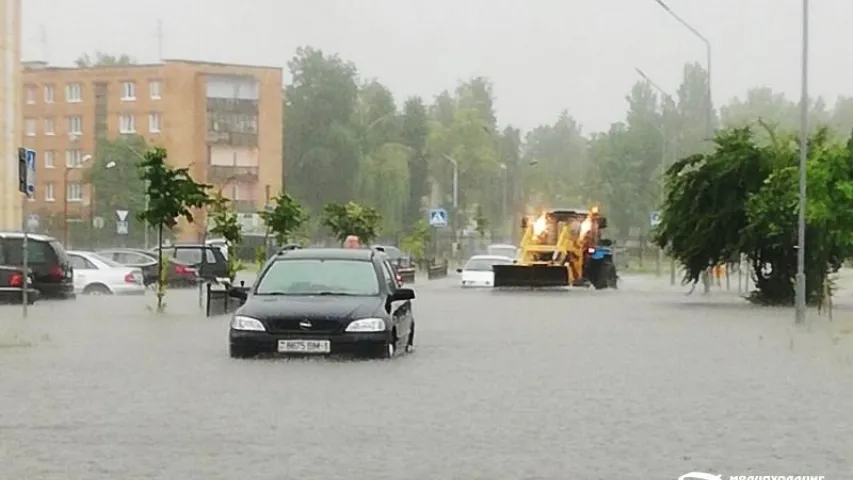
[[437, 270]]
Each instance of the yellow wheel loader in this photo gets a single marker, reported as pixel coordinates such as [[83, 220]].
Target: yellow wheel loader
[[559, 248]]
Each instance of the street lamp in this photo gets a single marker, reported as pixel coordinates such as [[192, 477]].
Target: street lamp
[[666, 141], [503, 198], [800, 294], [709, 106]]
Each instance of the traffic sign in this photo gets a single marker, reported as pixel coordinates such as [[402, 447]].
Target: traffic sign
[[438, 217], [654, 218], [121, 222], [27, 171], [98, 222]]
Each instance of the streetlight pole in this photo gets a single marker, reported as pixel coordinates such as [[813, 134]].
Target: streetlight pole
[[709, 108], [664, 162], [800, 300], [503, 200]]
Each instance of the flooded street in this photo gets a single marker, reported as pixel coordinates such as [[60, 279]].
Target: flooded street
[[639, 383]]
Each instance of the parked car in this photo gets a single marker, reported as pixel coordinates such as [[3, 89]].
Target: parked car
[[323, 301], [478, 272], [50, 267], [403, 265], [12, 286], [208, 260], [97, 275], [178, 274], [503, 250]]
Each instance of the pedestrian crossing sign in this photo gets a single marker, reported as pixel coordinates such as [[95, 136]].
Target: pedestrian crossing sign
[[438, 217]]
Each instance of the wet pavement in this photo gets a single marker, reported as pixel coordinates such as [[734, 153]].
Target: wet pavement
[[640, 383]]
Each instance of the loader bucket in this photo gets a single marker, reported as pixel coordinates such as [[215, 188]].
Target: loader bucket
[[530, 276]]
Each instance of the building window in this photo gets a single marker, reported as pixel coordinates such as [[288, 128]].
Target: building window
[[49, 94], [30, 126], [127, 124], [74, 192], [73, 158], [49, 195], [49, 159], [154, 122], [154, 89], [73, 93], [128, 91], [75, 125], [31, 95], [49, 128]]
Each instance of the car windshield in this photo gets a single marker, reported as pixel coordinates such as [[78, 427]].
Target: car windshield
[[485, 264], [508, 252], [319, 277]]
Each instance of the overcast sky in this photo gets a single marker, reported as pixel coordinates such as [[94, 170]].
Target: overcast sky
[[542, 55]]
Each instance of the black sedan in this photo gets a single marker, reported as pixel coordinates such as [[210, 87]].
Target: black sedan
[[324, 301]]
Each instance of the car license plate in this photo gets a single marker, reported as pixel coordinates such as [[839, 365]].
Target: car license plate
[[304, 346]]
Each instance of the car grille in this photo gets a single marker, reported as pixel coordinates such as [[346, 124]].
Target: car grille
[[291, 325]]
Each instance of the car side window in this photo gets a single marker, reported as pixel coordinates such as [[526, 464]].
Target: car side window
[[126, 258], [390, 277], [80, 263]]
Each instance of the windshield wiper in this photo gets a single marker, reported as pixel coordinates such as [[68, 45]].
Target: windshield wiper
[[329, 294]]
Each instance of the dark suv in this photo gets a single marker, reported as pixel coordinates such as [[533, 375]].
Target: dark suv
[[51, 268], [208, 260]]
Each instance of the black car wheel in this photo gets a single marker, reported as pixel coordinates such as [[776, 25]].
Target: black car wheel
[[387, 350], [606, 277], [241, 352], [97, 289]]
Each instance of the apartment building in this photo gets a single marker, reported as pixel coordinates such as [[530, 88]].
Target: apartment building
[[222, 121], [11, 200]]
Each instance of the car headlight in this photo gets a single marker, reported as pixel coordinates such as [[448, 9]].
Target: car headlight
[[240, 322], [367, 325]]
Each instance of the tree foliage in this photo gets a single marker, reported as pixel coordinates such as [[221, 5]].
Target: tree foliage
[[742, 199], [172, 194], [101, 59], [227, 226], [284, 219], [352, 219]]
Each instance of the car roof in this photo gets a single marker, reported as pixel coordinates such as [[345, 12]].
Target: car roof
[[363, 254], [488, 257], [30, 236]]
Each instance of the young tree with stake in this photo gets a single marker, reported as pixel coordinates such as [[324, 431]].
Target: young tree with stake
[[172, 194]]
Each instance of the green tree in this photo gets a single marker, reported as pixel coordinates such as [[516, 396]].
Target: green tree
[[284, 219], [693, 133], [415, 242], [414, 134], [322, 148], [101, 59], [172, 194], [384, 184], [227, 226], [352, 219], [742, 199], [114, 174]]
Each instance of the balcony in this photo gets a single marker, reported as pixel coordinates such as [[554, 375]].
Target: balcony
[[236, 139], [228, 173]]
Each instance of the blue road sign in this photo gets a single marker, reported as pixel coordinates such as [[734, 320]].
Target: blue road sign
[[31, 172], [654, 218], [438, 217]]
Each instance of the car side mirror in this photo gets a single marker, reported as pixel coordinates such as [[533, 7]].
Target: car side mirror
[[403, 294], [458, 270]]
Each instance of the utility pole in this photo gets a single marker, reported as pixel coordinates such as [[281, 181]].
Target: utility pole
[[800, 299]]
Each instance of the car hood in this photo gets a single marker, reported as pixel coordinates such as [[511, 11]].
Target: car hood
[[265, 307]]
